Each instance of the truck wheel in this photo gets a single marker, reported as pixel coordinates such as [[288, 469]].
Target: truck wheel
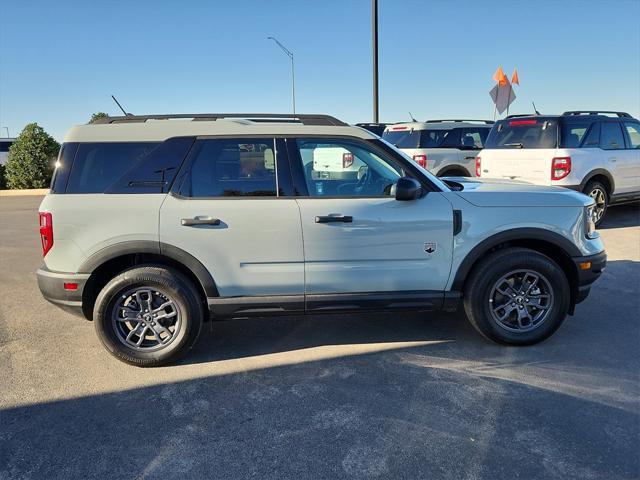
[[148, 316], [598, 192], [516, 296]]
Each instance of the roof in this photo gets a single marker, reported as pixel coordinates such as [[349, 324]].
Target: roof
[[160, 127], [7, 139]]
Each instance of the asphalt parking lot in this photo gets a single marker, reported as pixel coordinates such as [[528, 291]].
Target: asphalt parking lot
[[367, 396]]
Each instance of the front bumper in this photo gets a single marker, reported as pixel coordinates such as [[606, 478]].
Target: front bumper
[[52, 287], [588, 275]]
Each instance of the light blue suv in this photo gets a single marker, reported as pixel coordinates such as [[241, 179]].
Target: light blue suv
[[155, 224]]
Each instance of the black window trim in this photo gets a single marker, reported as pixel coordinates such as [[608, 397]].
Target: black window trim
[[376, 145], [281, 167]]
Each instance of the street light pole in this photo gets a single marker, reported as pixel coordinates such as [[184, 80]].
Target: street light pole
[[293, 74], [374, 29]]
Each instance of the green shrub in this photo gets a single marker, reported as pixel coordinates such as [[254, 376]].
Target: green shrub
[[31, 159], [3, 183]]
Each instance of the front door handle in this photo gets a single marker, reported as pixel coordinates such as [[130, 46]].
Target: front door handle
[[334, 218], [199, 220]]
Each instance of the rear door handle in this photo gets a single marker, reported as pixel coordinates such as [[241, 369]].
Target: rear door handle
[[199, 220], [334, 218], [469, 158]]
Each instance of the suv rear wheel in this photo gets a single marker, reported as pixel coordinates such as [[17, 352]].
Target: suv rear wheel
[[599, 193], [517, 296], [148, 316]]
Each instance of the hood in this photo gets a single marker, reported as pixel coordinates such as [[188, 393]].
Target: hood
[[509, 193]]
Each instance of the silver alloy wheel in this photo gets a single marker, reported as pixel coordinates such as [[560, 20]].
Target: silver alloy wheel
[[146, 319], [521, 300], [600, 197]]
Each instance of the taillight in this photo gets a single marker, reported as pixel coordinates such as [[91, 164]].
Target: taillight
[[560, 167], [46, 232], [347, 160], [420, 160], [478, 166]]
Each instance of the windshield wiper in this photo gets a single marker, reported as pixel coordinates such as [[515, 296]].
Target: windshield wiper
[[517, 145]]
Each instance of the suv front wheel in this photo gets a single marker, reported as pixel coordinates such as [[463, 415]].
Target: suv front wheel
[[148, 316], [517, 296]]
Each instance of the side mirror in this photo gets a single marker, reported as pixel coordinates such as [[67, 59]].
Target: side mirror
[[408, 189]]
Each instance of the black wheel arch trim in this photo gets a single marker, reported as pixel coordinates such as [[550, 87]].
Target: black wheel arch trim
[[595, 173], [153, 247], [453, 168], [506, 236]]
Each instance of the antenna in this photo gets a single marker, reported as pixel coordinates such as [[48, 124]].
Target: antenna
[[412, 119], [534, 108], [120, 106]]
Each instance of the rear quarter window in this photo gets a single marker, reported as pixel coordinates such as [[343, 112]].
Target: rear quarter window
[[573, 134], [403, 138], [98, 165]]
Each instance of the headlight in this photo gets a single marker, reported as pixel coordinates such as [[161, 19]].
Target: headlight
[[590, 222]]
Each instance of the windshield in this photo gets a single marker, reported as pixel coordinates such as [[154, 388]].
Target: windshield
[[439, 183], [536, 132]]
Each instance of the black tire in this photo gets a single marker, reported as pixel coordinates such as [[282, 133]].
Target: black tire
[[479, 296], [453, 173], [165, 286], [600, 194]]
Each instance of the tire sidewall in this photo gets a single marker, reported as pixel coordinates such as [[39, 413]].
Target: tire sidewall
[[496, 270], [168, 282], [589, 188]]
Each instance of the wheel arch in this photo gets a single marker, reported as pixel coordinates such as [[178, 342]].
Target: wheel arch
[[110, 261], [551, 244], [453, 168], [602, 175]]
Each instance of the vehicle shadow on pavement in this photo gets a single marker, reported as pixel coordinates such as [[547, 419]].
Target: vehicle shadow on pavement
[[621, 216], [466, 408]]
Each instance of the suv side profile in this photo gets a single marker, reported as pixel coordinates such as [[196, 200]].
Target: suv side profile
[[154, 226], [446, 148], [597, 153]]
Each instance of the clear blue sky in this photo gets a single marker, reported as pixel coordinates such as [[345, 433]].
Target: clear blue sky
[[60, 60]]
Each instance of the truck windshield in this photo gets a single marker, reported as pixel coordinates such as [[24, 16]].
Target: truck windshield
[[536, 132]]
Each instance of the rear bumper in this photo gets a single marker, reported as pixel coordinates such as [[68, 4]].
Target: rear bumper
[[588, 275], [52, 287]]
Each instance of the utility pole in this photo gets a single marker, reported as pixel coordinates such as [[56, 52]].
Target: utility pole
[[293, 74], [374, 29]]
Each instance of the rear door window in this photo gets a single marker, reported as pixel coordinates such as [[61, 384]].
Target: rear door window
[[633, 134], [232, 168], [536, 132], [611, 136]]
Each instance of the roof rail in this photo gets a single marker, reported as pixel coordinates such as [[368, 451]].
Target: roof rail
[[597, 112], [488, 122], [304, 119]]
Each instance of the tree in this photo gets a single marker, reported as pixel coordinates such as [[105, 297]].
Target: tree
[[2, 182], [31, 158], [97, 116]]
